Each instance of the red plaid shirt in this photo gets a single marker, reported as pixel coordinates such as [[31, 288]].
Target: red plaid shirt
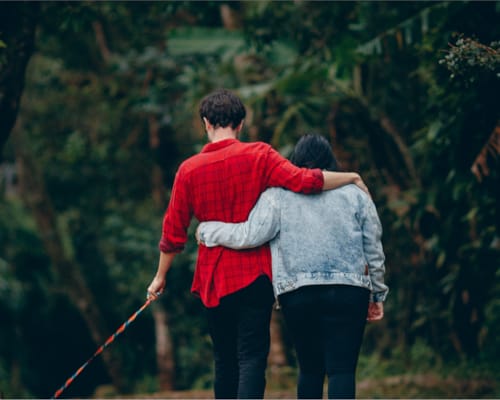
[[223, 183]]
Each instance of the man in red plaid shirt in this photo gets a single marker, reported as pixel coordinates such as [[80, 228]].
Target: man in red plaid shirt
[[222, 183]]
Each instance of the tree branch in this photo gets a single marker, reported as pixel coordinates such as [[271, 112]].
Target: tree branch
[[102, 43], [389, 127]]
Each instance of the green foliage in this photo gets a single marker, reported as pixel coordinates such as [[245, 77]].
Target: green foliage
[[111, 97], [204, 41], [420, 372], [467, 57]]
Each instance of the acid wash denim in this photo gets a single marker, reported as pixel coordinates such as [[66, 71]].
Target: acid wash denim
[[329, 238]]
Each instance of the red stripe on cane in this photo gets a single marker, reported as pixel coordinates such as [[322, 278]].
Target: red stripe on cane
[[70, 380]]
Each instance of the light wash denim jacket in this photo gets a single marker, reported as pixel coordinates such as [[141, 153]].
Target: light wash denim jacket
[[329, 238]]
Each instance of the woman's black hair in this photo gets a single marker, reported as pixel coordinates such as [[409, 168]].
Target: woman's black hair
[[314, 151]]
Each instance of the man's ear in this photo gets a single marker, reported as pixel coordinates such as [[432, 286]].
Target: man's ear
[[208, 125], [240, 126]]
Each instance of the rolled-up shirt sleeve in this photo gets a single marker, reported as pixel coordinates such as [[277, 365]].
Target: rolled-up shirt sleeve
[[282, 173], [262, 225], [177, 217], [374, 252]]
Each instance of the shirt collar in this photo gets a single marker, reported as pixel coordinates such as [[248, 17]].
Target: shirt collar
[[218, 145]]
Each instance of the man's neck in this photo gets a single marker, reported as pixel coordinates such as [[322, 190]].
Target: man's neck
[[222, 133]]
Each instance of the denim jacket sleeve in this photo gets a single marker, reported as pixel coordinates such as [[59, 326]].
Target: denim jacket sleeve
[[373, 250], [262, 225]]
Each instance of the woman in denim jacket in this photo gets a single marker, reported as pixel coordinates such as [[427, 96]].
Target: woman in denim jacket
[[328, 269]]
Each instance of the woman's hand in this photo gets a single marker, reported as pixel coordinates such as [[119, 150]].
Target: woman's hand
[[375, 311], [197, 235]]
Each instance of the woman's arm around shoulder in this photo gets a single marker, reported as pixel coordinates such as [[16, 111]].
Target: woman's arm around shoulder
[[262, 225]]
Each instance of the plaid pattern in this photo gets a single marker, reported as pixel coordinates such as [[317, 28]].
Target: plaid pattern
[[223, 183]]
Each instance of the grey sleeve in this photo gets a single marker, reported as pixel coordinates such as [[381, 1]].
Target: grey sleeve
[[374, 252], [262, 225]]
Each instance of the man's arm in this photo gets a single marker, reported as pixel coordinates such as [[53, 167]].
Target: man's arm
[[262, 225], [174, 233], [334, 180], [177, 216], [282, 173], [157, 285]]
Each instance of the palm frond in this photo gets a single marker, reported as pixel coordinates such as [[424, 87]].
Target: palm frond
[[481, 165]]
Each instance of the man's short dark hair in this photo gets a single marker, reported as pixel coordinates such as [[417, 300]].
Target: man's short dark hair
[[222, 108]]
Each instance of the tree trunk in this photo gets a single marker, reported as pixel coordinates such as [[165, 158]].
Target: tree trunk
[[17, 34], [230, 17], [164, 350], [67, 270], [165, 359]]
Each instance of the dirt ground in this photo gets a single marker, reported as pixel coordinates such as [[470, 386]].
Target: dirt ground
[[403, 386]]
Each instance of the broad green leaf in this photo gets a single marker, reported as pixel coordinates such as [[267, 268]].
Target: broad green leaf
[[190, 41]]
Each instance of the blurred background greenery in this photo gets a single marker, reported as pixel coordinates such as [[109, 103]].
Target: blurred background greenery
[[98, 106]]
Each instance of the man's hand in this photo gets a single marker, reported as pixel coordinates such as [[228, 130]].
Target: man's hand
[[375, 311], [359, 183], [334, 180], [158, 283], [156, 288]]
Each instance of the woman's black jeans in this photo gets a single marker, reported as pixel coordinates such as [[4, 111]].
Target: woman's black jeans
[[326, 324], [239, 328]]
